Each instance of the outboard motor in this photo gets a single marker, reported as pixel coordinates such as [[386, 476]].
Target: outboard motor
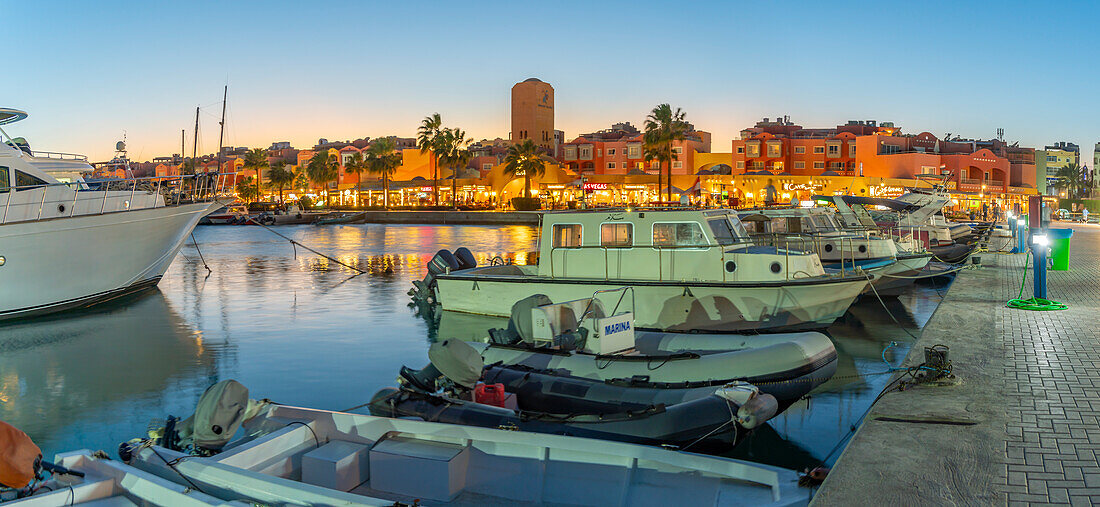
[[20, 458], [21, 464], [222, 409], [443, 261], [452, 359], [519, 325], [465, 258]]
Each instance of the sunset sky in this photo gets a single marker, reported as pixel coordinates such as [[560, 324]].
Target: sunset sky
[[89, 71]]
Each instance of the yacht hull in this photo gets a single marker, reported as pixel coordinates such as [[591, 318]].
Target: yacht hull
[[65, 263], [668, 305]]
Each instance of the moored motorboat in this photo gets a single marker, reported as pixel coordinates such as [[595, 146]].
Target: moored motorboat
[[690, 270], [130, 231], [300, 456]]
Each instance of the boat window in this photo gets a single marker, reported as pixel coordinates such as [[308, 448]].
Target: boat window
[[5, 179], [23, 179], [823, 223], [679, 234], [567, 235], [617, 235], [724, 232]]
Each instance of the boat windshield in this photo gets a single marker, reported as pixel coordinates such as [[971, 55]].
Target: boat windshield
[[727, 231]]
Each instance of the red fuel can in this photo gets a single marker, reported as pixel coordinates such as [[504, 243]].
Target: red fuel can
[[489, 394]]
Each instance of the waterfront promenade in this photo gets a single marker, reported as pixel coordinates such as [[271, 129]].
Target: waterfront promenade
[[1021, 424]]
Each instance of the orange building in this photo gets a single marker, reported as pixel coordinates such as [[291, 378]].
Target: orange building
[[619, 150], [870, 149], [533, 112]]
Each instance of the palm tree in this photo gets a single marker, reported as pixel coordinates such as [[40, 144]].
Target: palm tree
[[524, 158], [255, 160], [322, 169], [280, 177], [662, 128], [429, 136], [454, 155], [382, 158], [356, 165], [248, 189], [1069, 179]]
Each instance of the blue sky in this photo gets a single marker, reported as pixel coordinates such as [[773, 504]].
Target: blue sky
[[87, 71]]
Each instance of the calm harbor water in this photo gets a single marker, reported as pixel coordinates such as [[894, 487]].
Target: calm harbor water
[[301, 330]]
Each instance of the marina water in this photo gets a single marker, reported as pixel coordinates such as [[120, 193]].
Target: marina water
[[302, 330]]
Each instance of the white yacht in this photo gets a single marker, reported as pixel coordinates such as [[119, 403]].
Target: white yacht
[[690, 270], [65, 245], [818, 230]]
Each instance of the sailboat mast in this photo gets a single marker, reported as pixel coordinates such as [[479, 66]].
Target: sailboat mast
[[195, 145], [221, 128]]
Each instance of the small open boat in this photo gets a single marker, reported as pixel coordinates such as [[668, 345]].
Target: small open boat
[[300, 456]]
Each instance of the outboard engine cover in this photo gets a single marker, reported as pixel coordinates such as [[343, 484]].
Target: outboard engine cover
[[451, 358], [465, 258], [442, 262], [218, 415], [19, 457]]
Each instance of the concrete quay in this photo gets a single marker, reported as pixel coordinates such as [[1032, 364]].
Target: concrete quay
[[1022, 423]]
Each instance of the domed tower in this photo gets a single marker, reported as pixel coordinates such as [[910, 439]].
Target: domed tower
[[533, 112]]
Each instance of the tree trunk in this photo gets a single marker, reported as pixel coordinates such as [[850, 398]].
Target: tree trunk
[[435, 181], [359, 188], [669, 193], [526, 184], [385, 191]]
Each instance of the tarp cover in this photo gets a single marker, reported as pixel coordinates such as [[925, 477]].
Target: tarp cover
[[218, 415], [457, 360], [17, 456]]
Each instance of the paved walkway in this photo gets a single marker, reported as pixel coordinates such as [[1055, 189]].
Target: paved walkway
[[1023, 424]]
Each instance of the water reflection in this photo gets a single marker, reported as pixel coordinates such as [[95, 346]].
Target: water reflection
[[301, 329], [118, 366]]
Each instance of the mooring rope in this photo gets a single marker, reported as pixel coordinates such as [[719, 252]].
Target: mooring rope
[[297, 244]]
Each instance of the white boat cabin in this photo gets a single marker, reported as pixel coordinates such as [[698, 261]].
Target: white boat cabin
[[817, 230], [29, 190], [689, 244]]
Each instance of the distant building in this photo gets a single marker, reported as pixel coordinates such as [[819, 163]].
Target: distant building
[[619, 150], [279, 145], [1049, 160], [533, 113]]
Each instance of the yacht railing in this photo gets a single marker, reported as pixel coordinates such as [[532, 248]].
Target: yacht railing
[[815, 243], [59, 155], [164, 190]]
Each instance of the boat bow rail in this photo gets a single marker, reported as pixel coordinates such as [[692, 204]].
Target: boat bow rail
[[29, 203]]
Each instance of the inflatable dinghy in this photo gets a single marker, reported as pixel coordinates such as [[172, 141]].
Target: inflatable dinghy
[[448, 390], [546, 336]]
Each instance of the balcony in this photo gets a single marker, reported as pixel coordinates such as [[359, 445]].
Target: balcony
[[970, 184]]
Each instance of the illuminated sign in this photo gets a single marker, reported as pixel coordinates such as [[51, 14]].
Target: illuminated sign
[[809, 187], [634, 187], [425, 189], [555, 187], [588, 187], [885, 191]]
